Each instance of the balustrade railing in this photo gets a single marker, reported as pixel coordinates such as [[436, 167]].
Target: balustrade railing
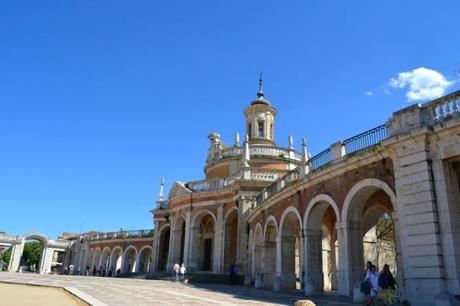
[[321, 159], [324, 158], [265, 175], [366, 139], [121, 235], [256, 150], [443, 108], [211, 184]]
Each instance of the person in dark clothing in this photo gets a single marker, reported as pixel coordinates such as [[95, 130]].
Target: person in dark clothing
[[387, 283], [234, 273], [94, 271]]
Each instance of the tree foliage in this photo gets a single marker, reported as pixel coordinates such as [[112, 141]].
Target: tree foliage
[[6, 258], [32, 253]]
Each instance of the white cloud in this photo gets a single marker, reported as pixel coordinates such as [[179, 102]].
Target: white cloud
[[369, 93], [423, 84]]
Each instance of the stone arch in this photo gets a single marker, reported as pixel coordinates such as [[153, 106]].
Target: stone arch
[[270, 219], [202, 240], [89, 261], [269, 252], [43, 240], [320, 220], [177, 250], [164, 235], [369, 182], [129, 260], [116, 259], [290, 235], [367, 202], [96, 259], [231, 237], [144, 260], [290, 209], [105, 259], [36, 236]]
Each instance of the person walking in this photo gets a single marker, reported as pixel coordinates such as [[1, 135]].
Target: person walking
[[388, 284], [182, 272], [175, 271], [373, 279]]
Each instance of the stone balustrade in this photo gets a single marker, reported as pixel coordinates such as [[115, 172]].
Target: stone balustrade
[[442, 108], [265, 175], [211, 184], [256, 150], [120, 235]]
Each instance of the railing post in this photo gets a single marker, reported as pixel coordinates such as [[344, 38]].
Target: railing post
[[409, 118], [338, 150]]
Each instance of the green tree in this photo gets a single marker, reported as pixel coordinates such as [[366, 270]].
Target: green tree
[[32, 253], [6, 258]]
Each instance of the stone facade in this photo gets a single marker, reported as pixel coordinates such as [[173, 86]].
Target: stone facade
[[389, 195]]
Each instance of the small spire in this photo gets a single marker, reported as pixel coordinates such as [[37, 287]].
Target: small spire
[[237, 139], [290, 142], [261, 84], [161, 193]]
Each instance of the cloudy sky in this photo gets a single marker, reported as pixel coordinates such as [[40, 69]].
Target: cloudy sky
[[100, 99]]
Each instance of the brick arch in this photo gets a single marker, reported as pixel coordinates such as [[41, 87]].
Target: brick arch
[[318, 199], [369, 182], [202, 214], [271, 218], [285, 214]]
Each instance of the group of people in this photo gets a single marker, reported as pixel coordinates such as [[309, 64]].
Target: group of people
[[178, 272], [375, 283], [101, 271]]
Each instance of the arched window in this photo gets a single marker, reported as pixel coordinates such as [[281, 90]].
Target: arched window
[[260, 131]]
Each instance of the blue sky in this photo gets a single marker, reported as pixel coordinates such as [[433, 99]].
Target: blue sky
[[100, 99]]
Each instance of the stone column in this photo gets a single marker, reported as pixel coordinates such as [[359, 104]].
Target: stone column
[[343, 271], [155, 247], [172, 242], [313, 259], [277, 283], [218, 241], [416, 203], [269, 263], [188, 219], [15, 259], [47, 258]]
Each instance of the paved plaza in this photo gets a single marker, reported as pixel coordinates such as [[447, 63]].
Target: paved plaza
[[122, 291]]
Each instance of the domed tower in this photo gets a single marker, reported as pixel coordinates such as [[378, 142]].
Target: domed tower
[[260, 120]]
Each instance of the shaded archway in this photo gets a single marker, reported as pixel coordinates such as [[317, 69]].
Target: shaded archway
[[179, 240], [269, 260], [251, 256], [32, 255], [116, 260], [231, 239], [144, 261], [367, 215], [96, 260], [163, 248], [129, 260], [258, 256], [321, 244], [105, 260], [291, 249], [89, 262], [202, 240]]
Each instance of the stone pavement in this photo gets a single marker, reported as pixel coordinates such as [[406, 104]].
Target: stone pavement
[[126, 291]]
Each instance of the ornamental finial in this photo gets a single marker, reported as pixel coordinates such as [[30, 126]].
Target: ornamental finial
[[261, 84]]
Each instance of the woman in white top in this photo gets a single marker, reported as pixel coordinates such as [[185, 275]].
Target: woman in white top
[[373, 278], [182, 272]]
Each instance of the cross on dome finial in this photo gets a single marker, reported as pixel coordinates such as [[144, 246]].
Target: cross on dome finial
[[261, 83]]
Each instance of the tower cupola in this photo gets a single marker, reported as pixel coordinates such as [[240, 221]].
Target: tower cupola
[[260, 119]]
